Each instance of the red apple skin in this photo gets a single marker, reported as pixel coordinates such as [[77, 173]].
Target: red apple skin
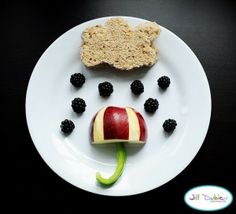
[[142, 126], [116, 124]]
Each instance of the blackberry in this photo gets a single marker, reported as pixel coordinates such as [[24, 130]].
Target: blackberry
[[151, 105], [163, 82], [78, 105], [137, 87], [169, 125], [67, 126], [77, 79], [105, 89]]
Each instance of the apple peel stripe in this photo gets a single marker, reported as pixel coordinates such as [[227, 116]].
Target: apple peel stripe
[[113, 124]]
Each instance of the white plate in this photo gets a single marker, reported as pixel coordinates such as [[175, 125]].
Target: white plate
[[73, 158]]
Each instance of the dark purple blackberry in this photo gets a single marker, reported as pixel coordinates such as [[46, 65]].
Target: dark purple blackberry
[[105, 89], [163, 82], [67, 126], [169, 125], [78, 105], [151, 105], [77, 79], [137, 87]]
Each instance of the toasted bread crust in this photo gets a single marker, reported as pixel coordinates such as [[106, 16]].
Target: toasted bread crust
[[119, 45]]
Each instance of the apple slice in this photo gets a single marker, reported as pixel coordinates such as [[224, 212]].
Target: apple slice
[[114, 124], [121, 126]]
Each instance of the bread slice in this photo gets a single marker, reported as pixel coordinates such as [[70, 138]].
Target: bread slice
[[119, 45]]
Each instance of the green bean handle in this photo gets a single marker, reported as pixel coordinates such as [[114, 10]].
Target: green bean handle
[[121, 158]]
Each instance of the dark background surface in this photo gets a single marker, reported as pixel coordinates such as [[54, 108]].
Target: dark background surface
[[27, 29]]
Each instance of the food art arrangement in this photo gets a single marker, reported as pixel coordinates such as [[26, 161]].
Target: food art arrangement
[[118, 125], [124, 48]]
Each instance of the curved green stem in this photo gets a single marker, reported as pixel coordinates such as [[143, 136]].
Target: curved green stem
[[121, 158]]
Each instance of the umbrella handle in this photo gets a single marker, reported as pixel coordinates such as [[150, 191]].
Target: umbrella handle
[[121, 158]]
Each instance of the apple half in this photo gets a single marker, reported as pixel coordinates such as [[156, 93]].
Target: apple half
[[120, 126]]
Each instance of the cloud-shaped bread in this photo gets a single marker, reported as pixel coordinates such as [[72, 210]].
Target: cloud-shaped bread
[[119, 45]]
